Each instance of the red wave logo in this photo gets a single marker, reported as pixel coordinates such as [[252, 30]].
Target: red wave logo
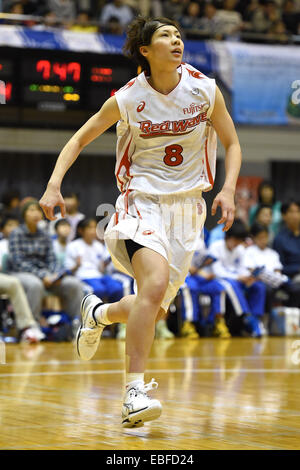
[[148, 232]]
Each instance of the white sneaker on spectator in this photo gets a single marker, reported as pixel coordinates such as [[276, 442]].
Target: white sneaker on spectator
[[90, 330], [138, 407], [32, 335]]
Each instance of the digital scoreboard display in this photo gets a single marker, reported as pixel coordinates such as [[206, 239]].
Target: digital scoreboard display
[[6, 80], [40, 81]]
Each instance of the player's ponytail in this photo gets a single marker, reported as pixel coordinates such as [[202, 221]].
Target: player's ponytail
[[139, 33]]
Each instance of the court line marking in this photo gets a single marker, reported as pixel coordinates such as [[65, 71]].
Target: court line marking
[[153, 371], [55, 362]]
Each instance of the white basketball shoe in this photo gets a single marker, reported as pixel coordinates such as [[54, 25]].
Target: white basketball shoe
[[138, 407], [90, 331]]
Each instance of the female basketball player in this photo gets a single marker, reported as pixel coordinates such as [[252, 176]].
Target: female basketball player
[[168, 117]]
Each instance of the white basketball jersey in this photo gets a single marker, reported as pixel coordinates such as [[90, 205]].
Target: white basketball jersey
[[166, 143]]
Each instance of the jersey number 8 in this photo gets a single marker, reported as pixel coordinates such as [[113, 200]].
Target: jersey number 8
[[173, 155]]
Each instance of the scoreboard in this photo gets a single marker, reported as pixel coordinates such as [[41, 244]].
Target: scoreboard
[[59, 88]]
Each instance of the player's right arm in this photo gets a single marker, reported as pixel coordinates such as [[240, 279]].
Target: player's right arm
[[108, 115]]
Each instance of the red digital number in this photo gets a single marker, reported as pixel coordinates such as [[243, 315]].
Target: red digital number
[[60, 70], [74, 68], [5, 90], [44, 67], [173, 155], [8, 91]]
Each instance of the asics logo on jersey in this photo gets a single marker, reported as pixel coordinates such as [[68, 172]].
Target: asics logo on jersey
[[193, 108], [170, 128], [141, 106], [195, 73], [148, 232]]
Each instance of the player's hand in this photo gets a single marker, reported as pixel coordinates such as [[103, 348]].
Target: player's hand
[[224, 199], [50, 199]]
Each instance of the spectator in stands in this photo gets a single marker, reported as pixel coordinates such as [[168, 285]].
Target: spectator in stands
[[290, 17], [209, 23], [16, 8], [11, 286], [190, 18], [116, 10], [287, 241], [202, 281], [86, 257], [287, 244], [174, 8], [262, 17], [50, 21], [267, 195], [278, 32], [82, 23], [73, 216], [63, 230], [263, 259], [263, 216], [33, 262], [247, 295], [28, 330], [65, 10], [10, 202], [230, 21], [9, 223]]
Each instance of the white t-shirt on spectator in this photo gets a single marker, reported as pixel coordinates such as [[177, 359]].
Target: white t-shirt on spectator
[[228, 21], [255, 257], [228, 264], [91, 256], [123, 13]]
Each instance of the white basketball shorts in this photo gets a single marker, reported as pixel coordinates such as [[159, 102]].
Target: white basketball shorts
[[168, 224]]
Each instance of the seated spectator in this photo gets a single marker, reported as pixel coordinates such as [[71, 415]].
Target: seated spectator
[[86, 258], [247, 295], [7, 225], [28, 329], [287, 244], [287, 241], [33, 262], [263, 216], [267, 195], [50, 22], [191, 16], [118, 11], [65, 10], [263, 259], [82, 23], [278, 33], [174, 8], [230, 21], [201, 281], [11, 202], [209, 23], [73, 216], [62, 230], [262, 17], [290, 17]]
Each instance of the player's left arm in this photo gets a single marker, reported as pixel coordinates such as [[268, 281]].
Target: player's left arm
[[224, 127]]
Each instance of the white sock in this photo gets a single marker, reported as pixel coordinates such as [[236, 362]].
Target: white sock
[[101, 314], [133, 378]]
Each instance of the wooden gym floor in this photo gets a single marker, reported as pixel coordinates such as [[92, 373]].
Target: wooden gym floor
[[217, 394]]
